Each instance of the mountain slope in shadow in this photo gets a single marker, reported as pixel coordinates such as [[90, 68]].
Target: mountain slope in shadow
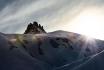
[[46, 51]]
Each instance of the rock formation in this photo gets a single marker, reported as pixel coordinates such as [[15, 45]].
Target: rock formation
[[34, 28]]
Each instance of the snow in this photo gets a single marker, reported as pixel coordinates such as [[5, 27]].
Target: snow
[[57, 50]]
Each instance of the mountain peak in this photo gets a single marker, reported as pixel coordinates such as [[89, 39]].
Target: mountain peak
[[34, 28]]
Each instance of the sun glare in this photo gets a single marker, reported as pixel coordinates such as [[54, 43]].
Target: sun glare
[[90, 23]]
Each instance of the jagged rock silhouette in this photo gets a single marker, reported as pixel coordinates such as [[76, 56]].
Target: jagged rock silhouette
[[34, 28]]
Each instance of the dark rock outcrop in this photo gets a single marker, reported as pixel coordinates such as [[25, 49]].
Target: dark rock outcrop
[[34, 28]]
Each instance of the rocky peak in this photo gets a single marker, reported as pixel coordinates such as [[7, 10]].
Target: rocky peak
[[34, 28]]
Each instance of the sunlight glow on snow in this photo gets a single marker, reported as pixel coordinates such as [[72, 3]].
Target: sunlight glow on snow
[[13, 40]]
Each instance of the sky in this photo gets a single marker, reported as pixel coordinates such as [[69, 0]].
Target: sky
[[54, 15]]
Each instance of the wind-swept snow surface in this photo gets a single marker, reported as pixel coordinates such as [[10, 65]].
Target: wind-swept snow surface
[[58, 50]]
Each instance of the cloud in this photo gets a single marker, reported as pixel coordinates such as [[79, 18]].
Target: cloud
[[16, 14], [4, 3]]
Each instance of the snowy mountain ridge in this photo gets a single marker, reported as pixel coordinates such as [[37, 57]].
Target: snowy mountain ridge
[[59, 50]]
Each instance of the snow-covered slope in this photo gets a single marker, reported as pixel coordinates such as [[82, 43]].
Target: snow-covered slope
[[58, 50], [96, 62]]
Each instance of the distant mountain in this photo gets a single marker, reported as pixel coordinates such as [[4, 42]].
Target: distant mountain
[[59, 50], [34, 28]]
